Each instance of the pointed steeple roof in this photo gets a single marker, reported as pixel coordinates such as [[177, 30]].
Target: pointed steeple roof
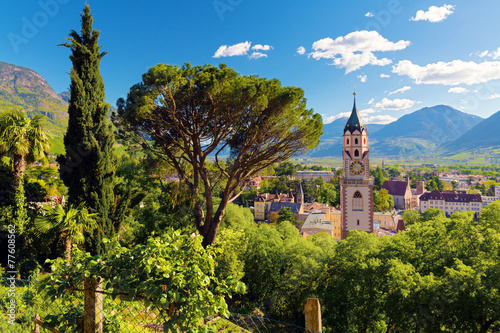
[[355, 122]]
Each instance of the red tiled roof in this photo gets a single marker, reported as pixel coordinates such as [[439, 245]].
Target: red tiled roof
[[313, 206], [266, 197]]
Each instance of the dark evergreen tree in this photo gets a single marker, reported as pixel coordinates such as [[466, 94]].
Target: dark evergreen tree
[[87, 169]]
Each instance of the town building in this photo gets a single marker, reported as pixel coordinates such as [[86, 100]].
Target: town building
[[276, 207], [486, 200], [356, 185], [401, 193], [327, 176], [263, 203], [451, 201], [317, 222], [255, 182], [386, 220]]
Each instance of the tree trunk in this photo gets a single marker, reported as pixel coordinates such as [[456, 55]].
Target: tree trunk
[[19, 168], [209, 237], [67, 247], [486, 326]]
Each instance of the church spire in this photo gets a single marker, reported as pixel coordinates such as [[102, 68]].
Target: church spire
[[355, 122]]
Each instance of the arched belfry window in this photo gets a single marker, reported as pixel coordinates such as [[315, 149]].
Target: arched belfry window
[[356, 153], [356, 141], [357, 201], [347, 141]]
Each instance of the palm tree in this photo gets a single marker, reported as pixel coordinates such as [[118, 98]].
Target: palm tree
[[70, 222], [23, 140]]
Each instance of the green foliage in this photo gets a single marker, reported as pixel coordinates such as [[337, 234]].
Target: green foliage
[[285, 169], [435, 184], [35, 192], [438, 276], [87, 169], [29, 268], [280, 267], [7, 192], [411, 217], [490, 216], [286, 215], [328, 194], [23, 140], [174, 274], [257, 120], [379, 177], [382, 201], [47, 177], [433, 213], [70, 222], [20, 213]]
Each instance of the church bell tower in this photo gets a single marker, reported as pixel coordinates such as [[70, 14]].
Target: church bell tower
[[356, 187]]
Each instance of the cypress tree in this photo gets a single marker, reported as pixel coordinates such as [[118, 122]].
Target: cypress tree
[[87, 169]]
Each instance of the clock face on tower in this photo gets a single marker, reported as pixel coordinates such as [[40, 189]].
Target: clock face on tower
[[357, 168]]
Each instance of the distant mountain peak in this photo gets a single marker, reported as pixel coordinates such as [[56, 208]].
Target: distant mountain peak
[[13, 78], [24, 89], [419, 132]]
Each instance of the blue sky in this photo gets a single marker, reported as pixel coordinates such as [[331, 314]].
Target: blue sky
[[401, 55]]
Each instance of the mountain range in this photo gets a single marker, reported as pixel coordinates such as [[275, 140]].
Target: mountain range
[[428, 131], [24, 89], [420, 133]]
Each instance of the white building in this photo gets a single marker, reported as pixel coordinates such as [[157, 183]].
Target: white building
[[327, 176], [451, 201]]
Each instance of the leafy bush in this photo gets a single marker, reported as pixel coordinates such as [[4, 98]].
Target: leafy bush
[[173, 274]]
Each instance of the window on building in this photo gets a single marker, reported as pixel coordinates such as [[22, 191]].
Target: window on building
[[356, 141], [364, 140], [356, 153], [357, 201], [347, 141], [358, 222]]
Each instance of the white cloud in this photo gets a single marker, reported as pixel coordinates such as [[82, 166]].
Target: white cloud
[[371, 101], [384, 75], [327, 120], [362, 78], [257, 55], [366, 112], [369, 14], [396, 104], [233, 50], [434, 14], [260, 47], [400, 90], [380, 119], [492, 54], [451, 73], [301, 50], [458, 90], [494, 96], [355, 50]]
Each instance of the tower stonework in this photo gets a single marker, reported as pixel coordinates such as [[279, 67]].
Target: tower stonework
[[356, 186]]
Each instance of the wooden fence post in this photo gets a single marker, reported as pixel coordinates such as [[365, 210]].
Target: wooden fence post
[[93, 306], [312, 310], [37, 328]]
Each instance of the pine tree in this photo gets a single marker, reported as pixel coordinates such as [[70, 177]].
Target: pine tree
[[87, 169]]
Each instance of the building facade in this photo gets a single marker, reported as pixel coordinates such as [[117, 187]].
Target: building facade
[[356, 186], [401, 193], [451, 201], [263, 203], [327, 176]]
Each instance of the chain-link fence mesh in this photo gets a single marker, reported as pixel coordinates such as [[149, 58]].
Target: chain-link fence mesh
[[27, 308]]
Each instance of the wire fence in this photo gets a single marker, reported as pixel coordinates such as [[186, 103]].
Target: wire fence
[[27, 309]]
